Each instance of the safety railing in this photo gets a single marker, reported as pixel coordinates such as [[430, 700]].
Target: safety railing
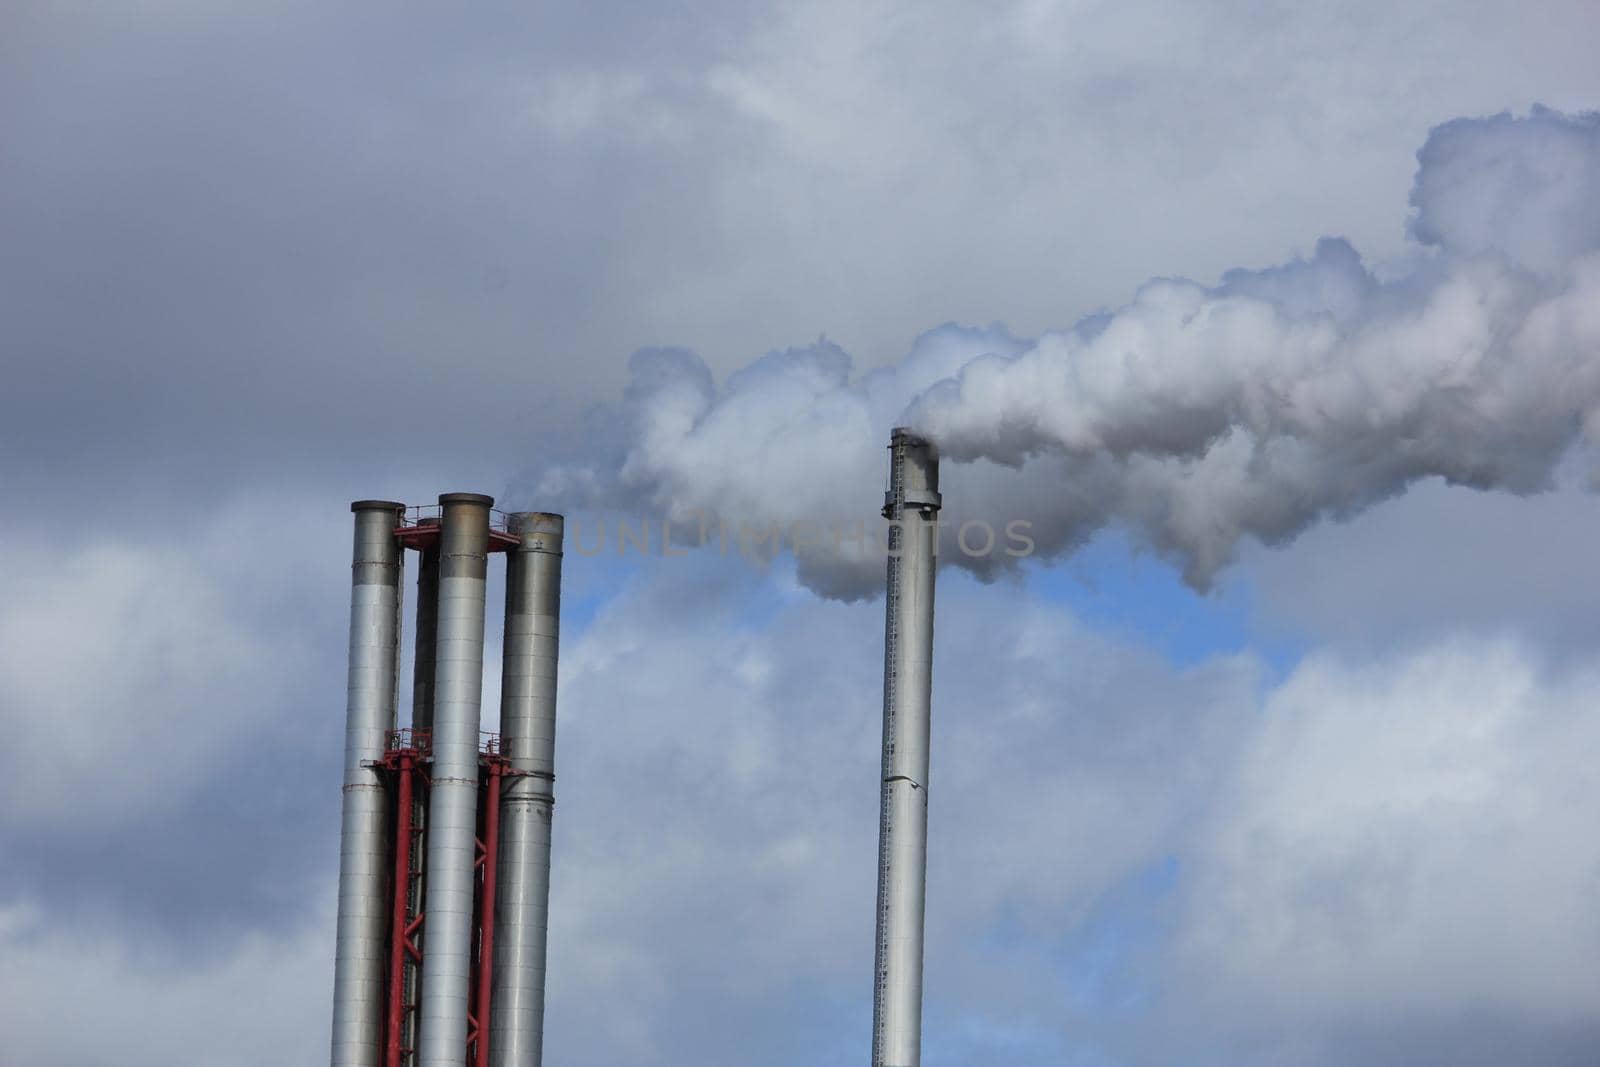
[[425, 514], [422, 741]]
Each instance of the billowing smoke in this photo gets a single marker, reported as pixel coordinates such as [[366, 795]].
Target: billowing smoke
[[1194, 416]]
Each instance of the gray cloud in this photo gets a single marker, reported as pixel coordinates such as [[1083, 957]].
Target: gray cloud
[[1440, 560], [258, 264], [88, 993], [174, 719], [1522, 187], [1198, 416], [240, 245], [1117, 845]]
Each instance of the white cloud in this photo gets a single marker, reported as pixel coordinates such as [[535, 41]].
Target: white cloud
[[1200, 417], [1359, 853], [717, 794], [1403, 841], [1364, 849]]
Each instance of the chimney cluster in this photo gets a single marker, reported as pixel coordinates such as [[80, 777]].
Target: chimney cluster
[[444, 864]]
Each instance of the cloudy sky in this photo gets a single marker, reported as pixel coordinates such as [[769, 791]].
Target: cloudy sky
[[1278, 752]]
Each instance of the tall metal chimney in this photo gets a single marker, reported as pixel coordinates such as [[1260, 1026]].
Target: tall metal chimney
[[422, 672], [453, 804], [528, 739], [359, 954], [912, 508]]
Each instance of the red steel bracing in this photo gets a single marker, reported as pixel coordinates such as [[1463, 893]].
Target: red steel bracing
[[491, 854], [407, 759], [477, 925], [416, 905], [398, 923], [427, 535]]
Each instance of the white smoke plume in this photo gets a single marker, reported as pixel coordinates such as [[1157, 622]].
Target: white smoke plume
[[1194, 416]]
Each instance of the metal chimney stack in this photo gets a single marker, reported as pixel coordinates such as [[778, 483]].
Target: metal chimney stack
[[528, 739], [453, 806], [422, 668], [912, 508], [359, 953]]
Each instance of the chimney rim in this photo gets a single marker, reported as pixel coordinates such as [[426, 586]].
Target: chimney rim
[[906, 435]]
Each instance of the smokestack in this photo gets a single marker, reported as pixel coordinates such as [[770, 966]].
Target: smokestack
[[453, 804], [427, 633], [359, 954], [912, 508], [528, 740]]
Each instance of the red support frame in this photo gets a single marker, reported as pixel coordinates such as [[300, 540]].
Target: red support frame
[[407, 760], [399, 921], [426, 535], [491, 860]]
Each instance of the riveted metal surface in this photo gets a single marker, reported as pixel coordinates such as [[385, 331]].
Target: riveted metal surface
[[452, 810], [527, 738], [912, 508], [359, 943]]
